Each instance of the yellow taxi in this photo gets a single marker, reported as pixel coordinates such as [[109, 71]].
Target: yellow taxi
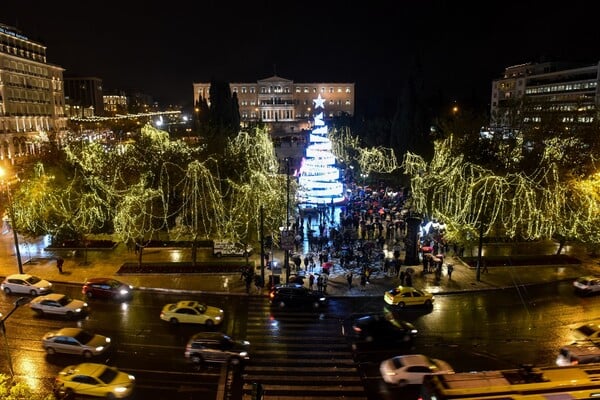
[[92, 379], [402, 296]]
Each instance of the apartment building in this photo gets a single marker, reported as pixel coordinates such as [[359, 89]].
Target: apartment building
[[32, 97], [284, 104], [542, 94], [84, 96]]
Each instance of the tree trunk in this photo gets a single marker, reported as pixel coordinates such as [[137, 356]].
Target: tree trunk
[[194, 252], [561, 244]]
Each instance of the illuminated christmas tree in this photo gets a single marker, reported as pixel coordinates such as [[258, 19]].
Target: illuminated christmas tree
[[319, 177]]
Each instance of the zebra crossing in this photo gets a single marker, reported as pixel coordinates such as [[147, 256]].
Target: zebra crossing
[[298, 354]]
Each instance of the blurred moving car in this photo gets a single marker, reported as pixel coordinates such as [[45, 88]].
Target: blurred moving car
[[25, 283], [191, 312], [402, 296], [378, 329], [575, 354], [409, 369], [587, 285], [296, 295], [92, 379], [107, 288], [588, 332], [216, 347], [75, 341], [58, 304]]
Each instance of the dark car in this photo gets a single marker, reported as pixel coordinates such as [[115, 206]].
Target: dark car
[[107, 288], [295, 295], [376, 329]]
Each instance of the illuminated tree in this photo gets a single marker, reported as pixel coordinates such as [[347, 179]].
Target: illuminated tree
[[348, 149], [37, 204], [87, 211], [201, 213], [472, 200], [15, 390], [139, 216], [253, 182]]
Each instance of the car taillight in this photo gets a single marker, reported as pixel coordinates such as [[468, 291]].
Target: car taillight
[[356, 329], [271, 295]]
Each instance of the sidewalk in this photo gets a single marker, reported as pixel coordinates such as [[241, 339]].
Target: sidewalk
[[37, 261]]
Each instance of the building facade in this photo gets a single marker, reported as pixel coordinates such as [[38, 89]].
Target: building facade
[[284, 104], [538, 94], [84, 97], [115, 103], [32, 97]]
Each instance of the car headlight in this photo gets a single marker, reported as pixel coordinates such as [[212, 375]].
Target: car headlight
[[107, 340], [244, 354], [99, 348], [120, 389], [414, 331], [124, 292], [321, 298], [78, 310], [218, 317]]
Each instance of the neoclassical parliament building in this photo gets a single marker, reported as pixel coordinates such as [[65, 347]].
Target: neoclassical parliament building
[[285, 105]]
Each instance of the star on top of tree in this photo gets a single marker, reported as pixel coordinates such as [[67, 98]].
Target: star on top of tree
[[319, 102]]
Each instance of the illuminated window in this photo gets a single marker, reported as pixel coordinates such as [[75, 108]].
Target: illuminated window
[[243, 89]]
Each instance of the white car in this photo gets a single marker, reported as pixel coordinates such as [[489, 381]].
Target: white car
[[191, 312], [26, 283], [587, 284], [410, 369], [76, 341], [58, 304]]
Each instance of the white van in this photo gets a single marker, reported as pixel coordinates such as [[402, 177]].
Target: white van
[[223, 248], [574, 354]]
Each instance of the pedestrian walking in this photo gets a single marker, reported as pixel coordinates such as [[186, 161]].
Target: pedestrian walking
[[320, 283], [349, 279], [485, 267], [258, 282], [59, 264], [363, 282], [408, 279], [450, 268], [402, 276], [325, 282], [311, 281]]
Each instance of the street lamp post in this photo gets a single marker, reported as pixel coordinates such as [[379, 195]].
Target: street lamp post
[[20, 301], [13, 226], [287, 222]]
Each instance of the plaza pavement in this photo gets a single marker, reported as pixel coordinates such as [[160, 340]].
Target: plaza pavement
[[77, 268]]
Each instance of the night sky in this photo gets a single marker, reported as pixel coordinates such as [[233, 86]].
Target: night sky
[[456, 47]]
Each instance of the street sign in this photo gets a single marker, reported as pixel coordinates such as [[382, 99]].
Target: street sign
[[287, 240]]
